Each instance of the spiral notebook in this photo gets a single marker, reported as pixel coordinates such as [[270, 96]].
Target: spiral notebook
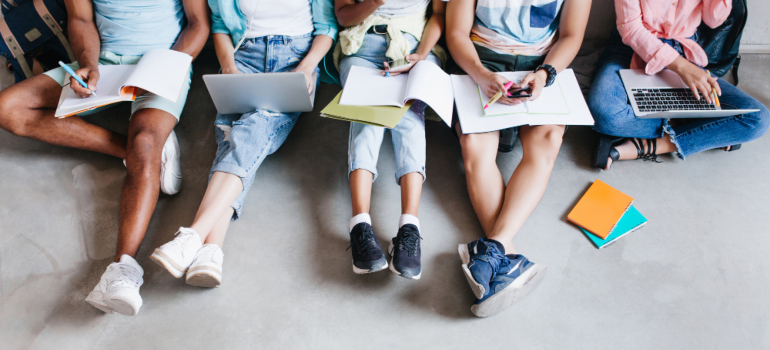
[[631, 221]]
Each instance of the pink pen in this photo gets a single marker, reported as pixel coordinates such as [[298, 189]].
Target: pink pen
[[498, 94]]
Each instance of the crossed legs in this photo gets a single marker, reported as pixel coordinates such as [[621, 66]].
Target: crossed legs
[[502, 210]]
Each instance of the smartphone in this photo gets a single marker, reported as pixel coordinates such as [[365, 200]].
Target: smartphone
[[521, 93]]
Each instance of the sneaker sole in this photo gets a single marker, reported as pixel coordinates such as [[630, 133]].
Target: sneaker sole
[[100, 305], [173, 268], [169, 177], [204, 277], [381, 267], [393, 266], [508, 296], [122, 307], [465, 256]]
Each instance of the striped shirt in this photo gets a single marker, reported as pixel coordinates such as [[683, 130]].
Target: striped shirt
[[519, 27]]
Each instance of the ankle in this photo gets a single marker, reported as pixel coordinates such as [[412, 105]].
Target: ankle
[[357, 219]]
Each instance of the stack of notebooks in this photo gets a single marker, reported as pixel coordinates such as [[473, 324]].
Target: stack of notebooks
[[605, 214]]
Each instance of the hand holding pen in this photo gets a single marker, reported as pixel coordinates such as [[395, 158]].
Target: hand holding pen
[[77, 84]]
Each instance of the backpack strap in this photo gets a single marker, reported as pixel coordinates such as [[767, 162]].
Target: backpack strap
[[14, 47], [42, 10]]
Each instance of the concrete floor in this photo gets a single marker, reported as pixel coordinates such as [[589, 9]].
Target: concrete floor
[[697, 276]]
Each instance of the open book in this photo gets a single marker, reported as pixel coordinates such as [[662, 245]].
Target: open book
[[426, 82], [159, 71], [551, 100]]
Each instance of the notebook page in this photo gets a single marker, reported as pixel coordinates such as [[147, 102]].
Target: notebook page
[[579, 114], [472, 120], [161, 72], [551, 100], [428, 83], [499, 108], [111, 79], [368, 87]]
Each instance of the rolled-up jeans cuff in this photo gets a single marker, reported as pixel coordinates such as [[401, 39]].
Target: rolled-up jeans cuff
[[372, 168], [668, 130]]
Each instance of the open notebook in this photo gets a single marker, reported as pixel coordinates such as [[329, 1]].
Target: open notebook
[[160, 71], [426, 82], [551, 100]]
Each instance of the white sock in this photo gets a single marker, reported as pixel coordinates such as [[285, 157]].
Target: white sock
[[409, 219], [363, 217]]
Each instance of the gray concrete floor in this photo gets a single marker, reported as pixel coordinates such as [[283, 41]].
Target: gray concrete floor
[[697, 276]]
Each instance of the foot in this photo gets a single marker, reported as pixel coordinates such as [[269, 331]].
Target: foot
[[512, 282], [206, 268], [405, 252], [481, 259], [367, 253], [118, 289], [170, 166], [176, 256]]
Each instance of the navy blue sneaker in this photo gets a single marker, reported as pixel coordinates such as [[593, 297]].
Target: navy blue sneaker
[[481, 261], [368, 256], [512, 282], [405, 252]]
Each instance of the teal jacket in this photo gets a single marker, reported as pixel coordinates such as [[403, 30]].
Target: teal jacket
[[227, 18]]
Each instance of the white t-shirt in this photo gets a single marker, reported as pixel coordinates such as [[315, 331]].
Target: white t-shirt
[[272, 17]]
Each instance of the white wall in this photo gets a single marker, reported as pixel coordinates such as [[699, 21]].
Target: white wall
[[757, 30]]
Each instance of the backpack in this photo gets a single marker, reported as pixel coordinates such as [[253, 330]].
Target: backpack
[[33, 33], [722, 43]]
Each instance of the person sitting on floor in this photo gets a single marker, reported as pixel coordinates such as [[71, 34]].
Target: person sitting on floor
[[485, 37], [650, 39], [250, 36], [108, 33], [378, 32]]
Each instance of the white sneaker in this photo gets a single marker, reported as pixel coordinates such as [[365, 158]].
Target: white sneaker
[[206, 269], [118, 289], [177, 255], [170, 166]]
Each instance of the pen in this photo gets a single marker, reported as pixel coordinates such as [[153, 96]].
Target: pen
[[714, 91], [387, 69], [498, 94], [77, 78]]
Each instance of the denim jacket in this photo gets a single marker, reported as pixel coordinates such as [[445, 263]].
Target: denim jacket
[[227, 18]]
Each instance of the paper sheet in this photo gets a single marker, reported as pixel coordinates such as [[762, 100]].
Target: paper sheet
[[161, 72], [551, 100], [428, 83], [108, 87], [368, 87]]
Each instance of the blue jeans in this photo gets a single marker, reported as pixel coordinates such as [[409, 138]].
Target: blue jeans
[[244, 140], [408, 135], [614, 115]]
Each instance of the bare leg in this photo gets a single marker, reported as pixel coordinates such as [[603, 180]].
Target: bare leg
[[361, 190], [627, 149], [217, 234], [222, 191], [483, 177], [411, 189], [540, 145], [147, 133], [27, 109]]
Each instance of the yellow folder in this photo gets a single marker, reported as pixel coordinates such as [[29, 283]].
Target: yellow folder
[[384, 116]]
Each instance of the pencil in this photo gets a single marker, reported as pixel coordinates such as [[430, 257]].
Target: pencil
[[714, 92]]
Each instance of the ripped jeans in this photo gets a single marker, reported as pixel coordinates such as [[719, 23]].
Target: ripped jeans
[[244, 140]]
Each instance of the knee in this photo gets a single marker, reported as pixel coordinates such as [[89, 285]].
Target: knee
[[10, 104], [761, 121], [144, 154], [545, 144], [477, 149]]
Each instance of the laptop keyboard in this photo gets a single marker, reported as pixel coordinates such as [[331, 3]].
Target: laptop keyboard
[[669, 99]]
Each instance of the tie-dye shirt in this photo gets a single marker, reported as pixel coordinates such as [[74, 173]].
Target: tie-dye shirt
[[519, 27]]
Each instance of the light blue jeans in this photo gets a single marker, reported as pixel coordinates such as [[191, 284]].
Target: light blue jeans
[[408, 135], [614, 115], [244, 140]]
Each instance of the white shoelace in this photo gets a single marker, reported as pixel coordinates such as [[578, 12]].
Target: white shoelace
[[124, 275], [181, 237]]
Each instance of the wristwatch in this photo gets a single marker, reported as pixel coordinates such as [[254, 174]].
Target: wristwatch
[[550, 72]]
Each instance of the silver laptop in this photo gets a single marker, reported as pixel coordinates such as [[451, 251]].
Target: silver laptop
[[243, 93], [665, 95]]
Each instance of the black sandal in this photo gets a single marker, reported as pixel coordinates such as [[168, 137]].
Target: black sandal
[[606, 150], [652, 148], [732, 148]]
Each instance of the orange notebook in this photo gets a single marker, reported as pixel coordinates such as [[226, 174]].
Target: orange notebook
[[600, 209]]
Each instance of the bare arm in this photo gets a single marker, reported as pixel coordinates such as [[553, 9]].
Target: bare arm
[[196, 31], [430, 36], [85, 44], [321, 45], [349, 13], [223, 45]]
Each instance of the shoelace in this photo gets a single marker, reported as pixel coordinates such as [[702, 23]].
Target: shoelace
[[495, 259], [365, 242], [207, 253], [409, 242], [126, 275], [181, 237]]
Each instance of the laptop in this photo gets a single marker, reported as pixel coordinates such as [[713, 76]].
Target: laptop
[[665, 95], [277, 92]]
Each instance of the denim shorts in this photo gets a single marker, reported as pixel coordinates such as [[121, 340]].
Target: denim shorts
[[408, 135], [244, 140], [148, 100]]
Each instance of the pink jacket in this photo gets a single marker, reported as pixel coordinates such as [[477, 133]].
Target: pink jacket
[[642, 22]]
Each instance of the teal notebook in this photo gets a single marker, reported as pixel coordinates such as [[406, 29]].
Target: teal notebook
[[629, 222]]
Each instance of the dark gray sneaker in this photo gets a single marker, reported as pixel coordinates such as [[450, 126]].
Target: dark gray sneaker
[[368, 256], [405, 252]]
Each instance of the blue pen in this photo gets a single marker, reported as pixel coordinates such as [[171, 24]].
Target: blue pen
[[77, 78]]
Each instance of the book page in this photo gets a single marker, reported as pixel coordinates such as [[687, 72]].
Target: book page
[[499, 108], [428, 83], [161, 72], [108, 88], [472, 119], [551, 101], [368, 87], [579, 114]]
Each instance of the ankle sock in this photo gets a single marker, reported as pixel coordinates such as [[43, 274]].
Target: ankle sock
[[409, 219], [498, 244], [363, 217]]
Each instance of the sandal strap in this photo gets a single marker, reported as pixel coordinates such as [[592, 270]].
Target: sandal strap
[[652, 151], [639, 148]]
